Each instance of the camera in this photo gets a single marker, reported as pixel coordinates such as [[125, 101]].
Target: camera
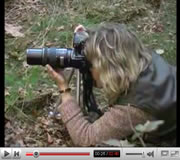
[[61, 57], [56, 57]]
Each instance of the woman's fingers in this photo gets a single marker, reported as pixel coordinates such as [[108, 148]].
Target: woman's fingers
[[51, 71], [79, 28], [57, 77]]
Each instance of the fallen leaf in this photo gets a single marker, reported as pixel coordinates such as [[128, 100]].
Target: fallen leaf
[[159, 51], [22, 92], [119, 143], [157, 28], [149, 126], [60, 28], [136, 135], [126, 143], [20, 58], [112, 142], [8, 125], [34, 113], [14, 54], [6, 56], [25, 65], [49, 44], [7, 92], [50, 140], [44, 121], [33, 1], [13, 30]]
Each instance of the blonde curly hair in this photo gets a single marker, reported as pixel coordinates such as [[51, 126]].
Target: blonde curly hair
[[118, 55]]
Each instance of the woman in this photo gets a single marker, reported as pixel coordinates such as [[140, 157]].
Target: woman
[[138, 83]]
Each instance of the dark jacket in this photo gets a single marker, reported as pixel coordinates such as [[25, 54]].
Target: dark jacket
[[155, 92]]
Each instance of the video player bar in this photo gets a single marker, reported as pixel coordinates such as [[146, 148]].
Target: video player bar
[[90, 153]]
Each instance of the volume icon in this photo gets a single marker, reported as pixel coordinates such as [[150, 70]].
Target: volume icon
[[150, 154]]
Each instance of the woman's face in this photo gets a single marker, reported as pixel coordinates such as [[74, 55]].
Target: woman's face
[[95, 74]]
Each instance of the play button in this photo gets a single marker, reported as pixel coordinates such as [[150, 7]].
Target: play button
[[6, 153]]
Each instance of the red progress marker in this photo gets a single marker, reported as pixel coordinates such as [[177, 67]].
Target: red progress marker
[[29, 154]]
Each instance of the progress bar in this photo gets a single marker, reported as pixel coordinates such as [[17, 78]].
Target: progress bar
[[61, 154]]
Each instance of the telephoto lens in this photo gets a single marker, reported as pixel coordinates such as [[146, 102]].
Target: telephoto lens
[[56, 57]]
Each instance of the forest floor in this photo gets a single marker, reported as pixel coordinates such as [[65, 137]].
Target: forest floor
[[30, 95]]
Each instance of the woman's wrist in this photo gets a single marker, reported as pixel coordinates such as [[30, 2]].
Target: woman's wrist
[[65, 92], [66, 96], [63, 87]]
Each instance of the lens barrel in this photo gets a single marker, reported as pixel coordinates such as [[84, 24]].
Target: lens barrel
[[56, 57], [35, 56]]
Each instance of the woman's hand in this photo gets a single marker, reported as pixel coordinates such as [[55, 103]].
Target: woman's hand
[[58, 77]]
